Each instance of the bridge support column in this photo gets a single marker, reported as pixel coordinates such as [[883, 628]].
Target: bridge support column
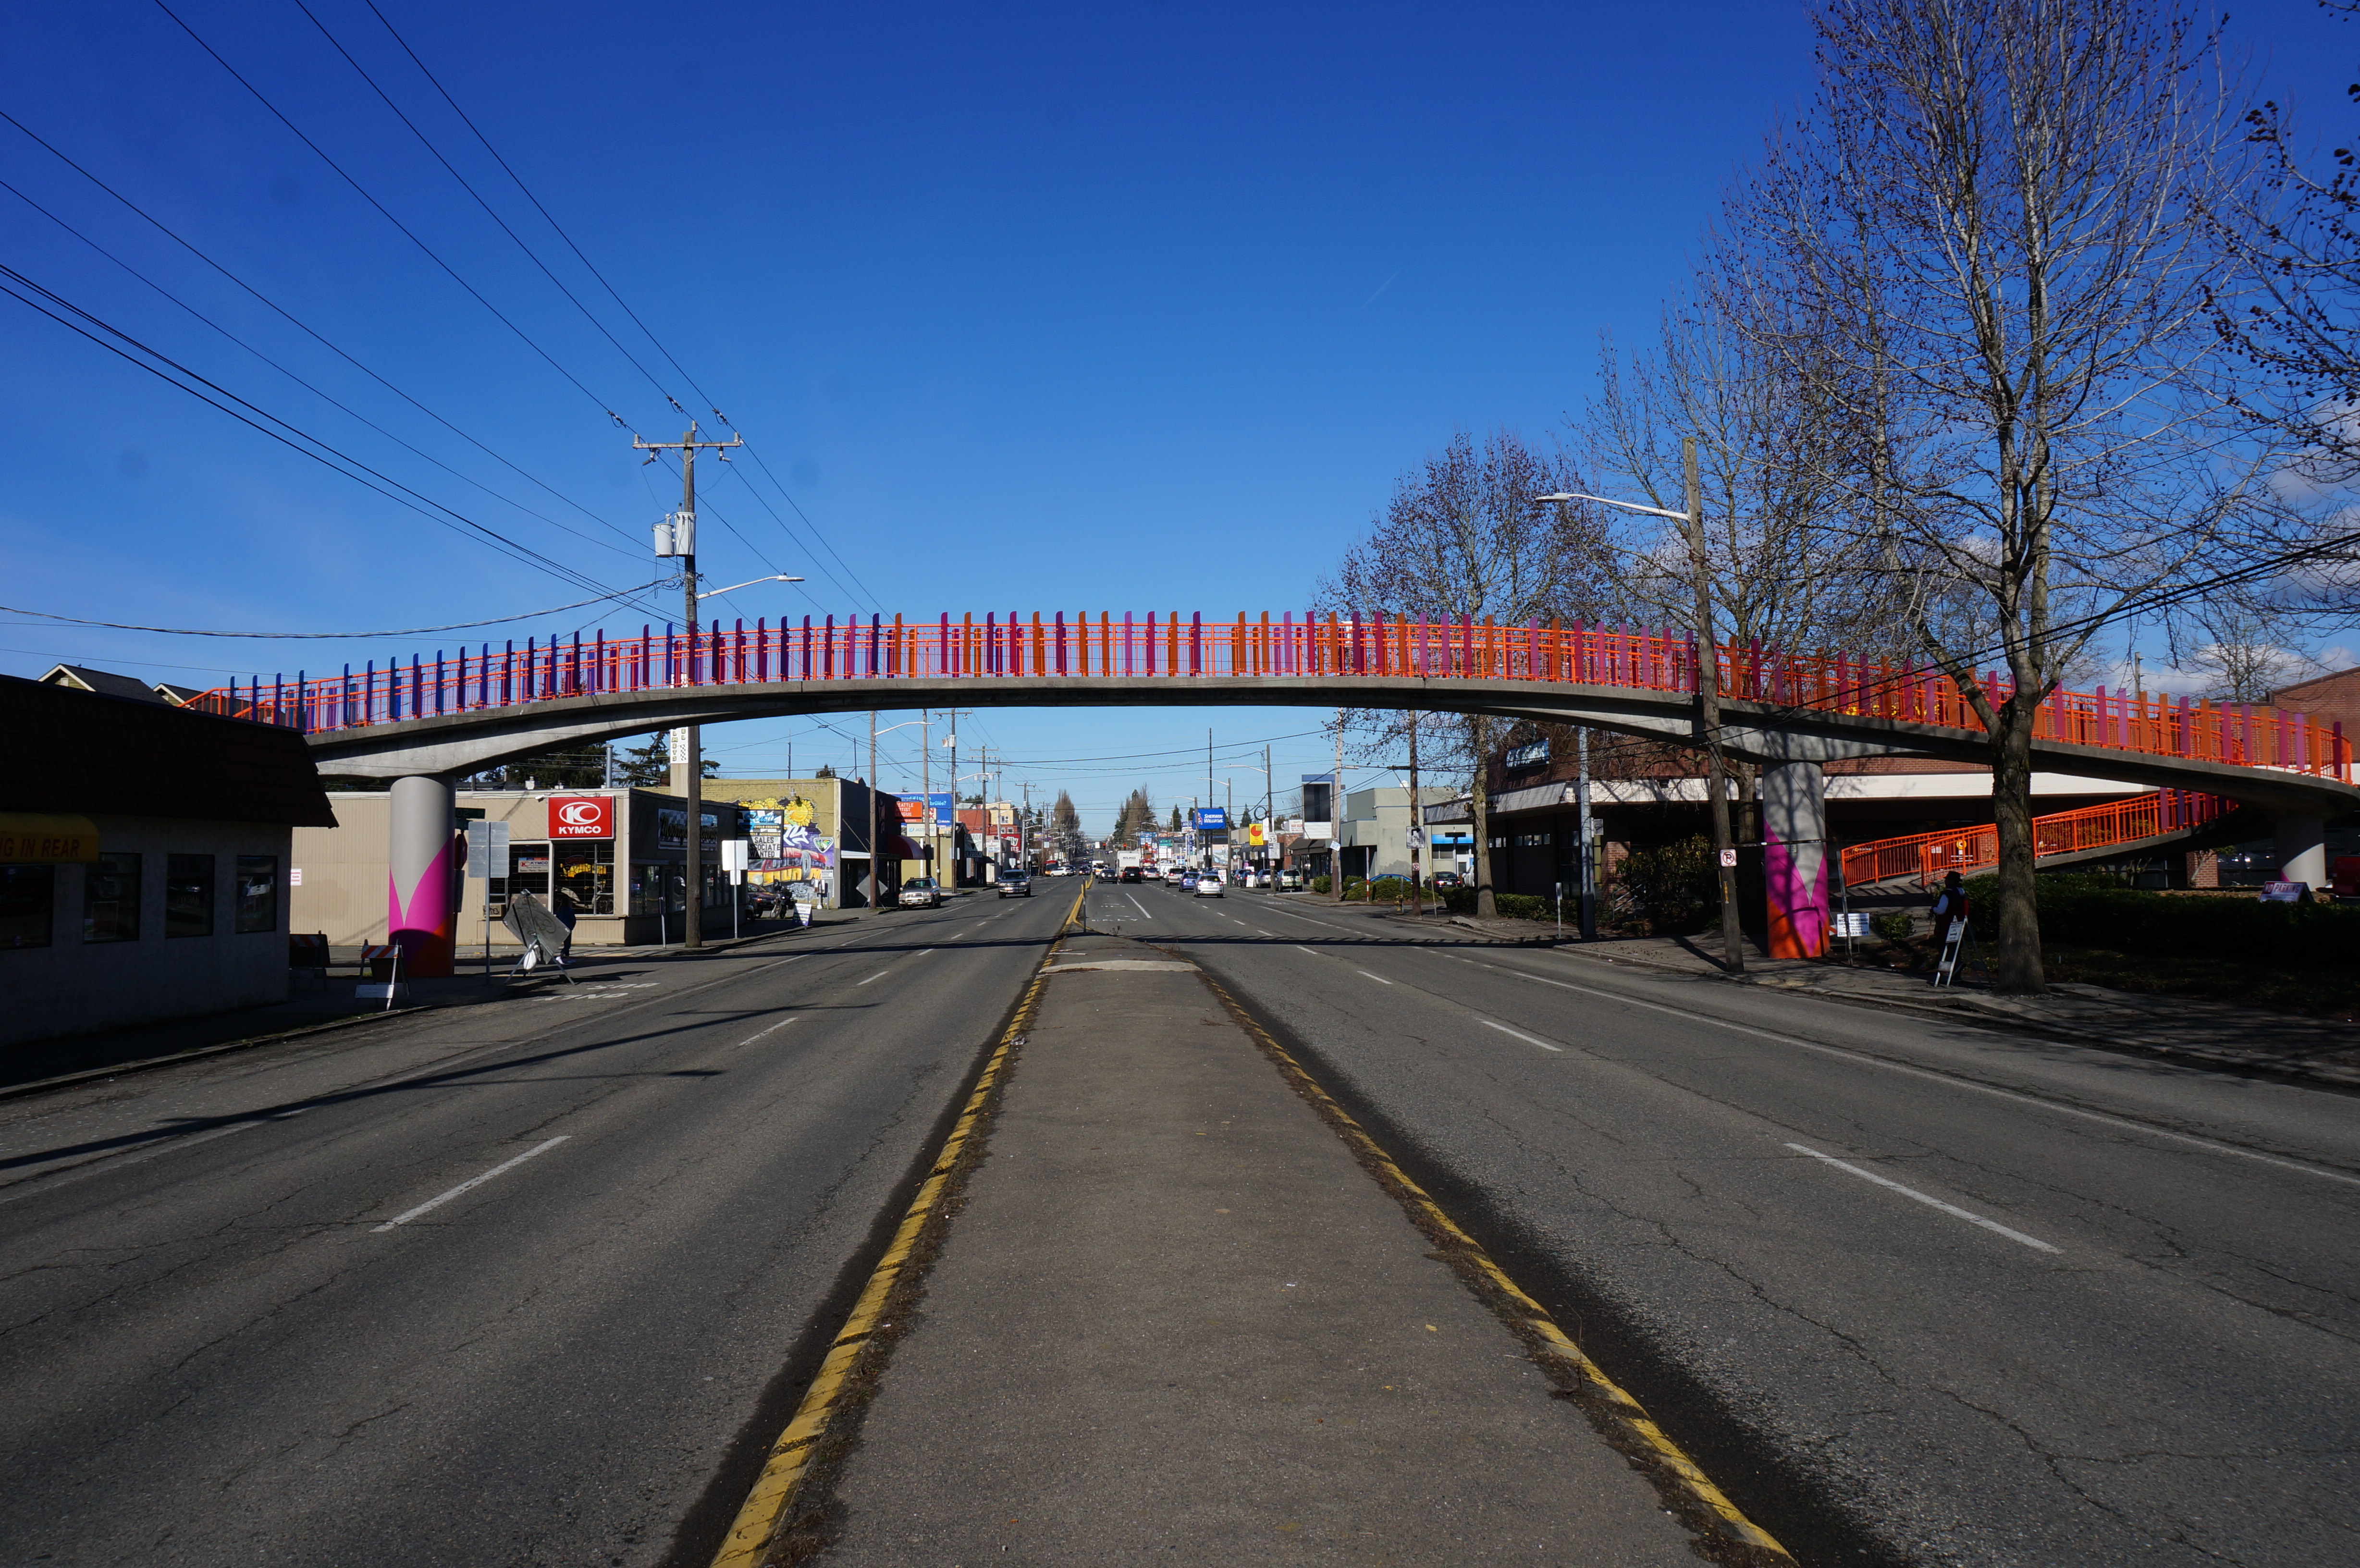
[[1794, 858], [2302, 850], [421, 909]]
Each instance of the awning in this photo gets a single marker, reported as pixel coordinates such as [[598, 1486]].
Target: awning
[[1538, 797], [900, 848], [40, 837]]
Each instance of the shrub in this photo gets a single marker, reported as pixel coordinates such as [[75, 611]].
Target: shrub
[[1893, 926], [1511, 906], [2099, 911], [1389, 890], [1321, 885], [1355, 887], [1673, 886]]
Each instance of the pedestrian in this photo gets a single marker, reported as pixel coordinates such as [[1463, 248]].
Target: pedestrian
[[1951, 904]]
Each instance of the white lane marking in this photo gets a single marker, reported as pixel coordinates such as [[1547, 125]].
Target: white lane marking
[[878, 975], [772, 1030], [1139, 906], [1520, 1034], [1957, 1082], [471, 1183], [1930, 1202], [1378, 978], [1300, 948], [924, 954]]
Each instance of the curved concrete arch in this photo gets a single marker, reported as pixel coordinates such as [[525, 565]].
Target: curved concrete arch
[[454, 743]]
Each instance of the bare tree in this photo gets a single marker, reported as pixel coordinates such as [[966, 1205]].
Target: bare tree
[[1461, 537], [1990, 223]]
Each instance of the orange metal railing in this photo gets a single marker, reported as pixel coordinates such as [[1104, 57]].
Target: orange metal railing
[[1164, 646], [1926, 857]]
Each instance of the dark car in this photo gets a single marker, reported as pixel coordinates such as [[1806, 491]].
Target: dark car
[[1133, 874], [1015, 883], [1447, 880]]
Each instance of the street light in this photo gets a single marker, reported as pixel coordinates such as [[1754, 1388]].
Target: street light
[[1708, 693], [873, 733], [778, 577]]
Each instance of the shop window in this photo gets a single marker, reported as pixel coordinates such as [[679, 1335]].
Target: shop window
[[27, 898], [257, 894], [188, 895], [110, 898], [656, 887], [529, 870], [583, 879]]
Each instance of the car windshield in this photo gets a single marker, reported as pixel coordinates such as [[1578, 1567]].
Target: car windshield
[[919, 883]]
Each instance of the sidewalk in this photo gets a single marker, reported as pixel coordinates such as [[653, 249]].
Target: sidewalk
[[2184, 1029], [1174, 1318]]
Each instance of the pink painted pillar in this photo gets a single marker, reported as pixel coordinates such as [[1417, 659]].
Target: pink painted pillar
[[421, 893], [1794, 858]]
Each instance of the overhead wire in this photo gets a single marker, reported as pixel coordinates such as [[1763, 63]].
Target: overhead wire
[[810, 527], [407, 232], [12, 282], [295, 321], [331, 637], [322, 394]]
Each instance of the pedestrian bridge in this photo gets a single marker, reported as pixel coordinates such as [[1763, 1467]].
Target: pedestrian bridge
[[426, 721], [462, 712]]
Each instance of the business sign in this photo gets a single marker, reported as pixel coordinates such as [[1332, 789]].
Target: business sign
[[913, 809], [672, 828], [1254, 837], [1531, 755], [582, 816], [1212, 819], [35, 837]]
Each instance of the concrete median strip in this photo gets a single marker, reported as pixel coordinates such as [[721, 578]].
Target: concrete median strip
[[1165, 1311]]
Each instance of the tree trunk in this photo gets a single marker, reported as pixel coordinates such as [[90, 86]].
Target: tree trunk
[[2016, 923], [1479, 808]]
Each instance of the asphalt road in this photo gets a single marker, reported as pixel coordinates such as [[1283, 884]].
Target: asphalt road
[[514, 1285], [1914, 1292]]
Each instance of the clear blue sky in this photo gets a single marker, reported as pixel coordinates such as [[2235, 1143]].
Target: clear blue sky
[[1111, 306]]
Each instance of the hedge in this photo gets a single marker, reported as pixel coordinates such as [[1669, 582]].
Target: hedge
[[2096, 911], [1511, 906]]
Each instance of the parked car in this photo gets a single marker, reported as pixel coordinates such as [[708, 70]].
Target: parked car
[[1290, 880], [1447, 880], [922, 892], [1015, 885], [1208, 885]]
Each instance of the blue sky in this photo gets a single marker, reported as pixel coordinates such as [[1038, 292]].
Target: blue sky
[[1116, 306]]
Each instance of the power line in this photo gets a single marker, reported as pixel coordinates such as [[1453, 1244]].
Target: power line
[[407, 232], [810, 527], [423, 505], [333, 636], [325, 396], [274, 306]]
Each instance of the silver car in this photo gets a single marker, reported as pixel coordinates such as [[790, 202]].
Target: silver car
[[923, 893]]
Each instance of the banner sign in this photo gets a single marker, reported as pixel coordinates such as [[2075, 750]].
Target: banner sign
[[1212, 819], [582, 816]]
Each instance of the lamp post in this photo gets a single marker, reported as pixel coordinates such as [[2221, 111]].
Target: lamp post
[[873, 847], [1707, 690], [692, 894]]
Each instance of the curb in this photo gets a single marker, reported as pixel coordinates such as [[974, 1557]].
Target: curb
[[770, 1501], [1634, 1431], [2339, 1078], [146, 1063]]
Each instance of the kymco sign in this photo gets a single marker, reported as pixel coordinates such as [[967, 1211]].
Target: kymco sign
[[582, 816]]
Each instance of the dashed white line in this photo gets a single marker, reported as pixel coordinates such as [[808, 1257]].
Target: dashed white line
[[1930, 1202], [471, 1183], [1378, 978], [1300, 948], [772, 1030], [878, 975], [1520, 1034]]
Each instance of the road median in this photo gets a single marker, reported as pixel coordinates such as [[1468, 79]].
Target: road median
[[1165, 1310]]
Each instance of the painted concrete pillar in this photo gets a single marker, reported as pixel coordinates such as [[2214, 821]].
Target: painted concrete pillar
[[422, 884], [2302, 850], [1794, 858]]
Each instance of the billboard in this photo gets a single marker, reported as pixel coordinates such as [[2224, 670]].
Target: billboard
[[1317, 791], [582, 816], [914, 808], [1212, 819]]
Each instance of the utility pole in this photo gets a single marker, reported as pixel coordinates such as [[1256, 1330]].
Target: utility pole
[[1587, 871], [1024, 831], [670, 541], [1269, 822], [926, 787], [1336, 815], [1416, 827], [1709, 712]]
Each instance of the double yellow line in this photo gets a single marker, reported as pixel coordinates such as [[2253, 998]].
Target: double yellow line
[[773, 1494]]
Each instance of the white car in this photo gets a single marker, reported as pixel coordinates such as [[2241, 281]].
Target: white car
[[922, 892], [1208, 884]]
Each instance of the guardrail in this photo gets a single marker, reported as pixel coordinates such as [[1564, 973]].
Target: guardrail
[[1159, 647], [1928, 857]]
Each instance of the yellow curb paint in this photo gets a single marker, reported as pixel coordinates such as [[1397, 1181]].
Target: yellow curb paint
[[772, 1496], [1632, 1414]]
